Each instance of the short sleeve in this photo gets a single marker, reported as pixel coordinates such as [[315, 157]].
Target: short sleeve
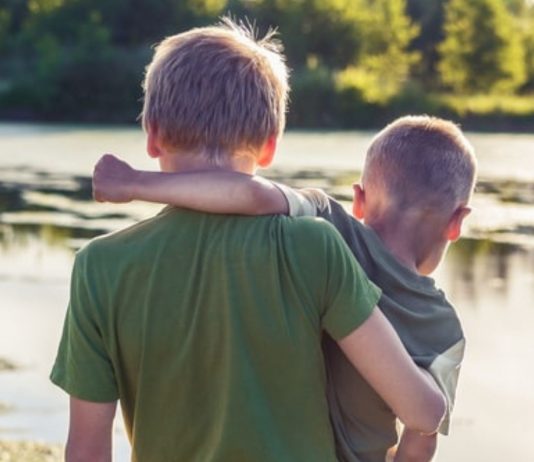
[[82, 367], [445, 370], [350, 295], [307, 202]]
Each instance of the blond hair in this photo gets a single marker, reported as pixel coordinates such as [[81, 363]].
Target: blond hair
[[422, 161], [216, 90]]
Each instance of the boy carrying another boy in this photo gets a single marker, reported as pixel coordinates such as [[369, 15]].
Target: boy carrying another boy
[[204, 326], [416, 184]]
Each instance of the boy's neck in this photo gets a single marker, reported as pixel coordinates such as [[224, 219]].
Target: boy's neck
[[394, 239], [181, 162], [411, 237]]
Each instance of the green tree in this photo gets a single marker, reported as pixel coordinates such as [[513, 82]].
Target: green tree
[[325, 30], [482, 51], [385, 61], [528, 31], [5, 20], [428, 14], [517, 7]]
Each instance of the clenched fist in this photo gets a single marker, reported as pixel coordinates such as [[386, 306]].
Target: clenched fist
[[113, 180]]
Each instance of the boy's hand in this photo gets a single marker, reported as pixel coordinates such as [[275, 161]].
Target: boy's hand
[[113, 180], [415, 447]]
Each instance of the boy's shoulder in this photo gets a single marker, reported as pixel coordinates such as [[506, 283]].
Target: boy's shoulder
[[409, 299], [310, 227], [314, 240], [312, 202], [111, 251], [115, 240]]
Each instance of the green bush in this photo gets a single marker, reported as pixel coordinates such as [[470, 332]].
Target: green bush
[[313, 99], [90, 87]]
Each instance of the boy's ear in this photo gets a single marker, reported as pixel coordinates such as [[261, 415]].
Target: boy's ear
[[358, 204], [152, 142], [454, 227], [268, 151]]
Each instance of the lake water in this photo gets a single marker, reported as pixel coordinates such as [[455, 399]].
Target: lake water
[[46, 213]]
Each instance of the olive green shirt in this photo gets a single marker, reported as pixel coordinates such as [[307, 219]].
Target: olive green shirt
[[207, 328]]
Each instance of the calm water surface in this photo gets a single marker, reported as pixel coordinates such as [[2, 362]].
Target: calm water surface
[[46, 213]]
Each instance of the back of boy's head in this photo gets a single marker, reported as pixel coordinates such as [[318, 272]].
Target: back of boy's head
[[216, 90], [422, 162]]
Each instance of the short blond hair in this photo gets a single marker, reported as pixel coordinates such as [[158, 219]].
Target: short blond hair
[[215, 90], [422, 161]]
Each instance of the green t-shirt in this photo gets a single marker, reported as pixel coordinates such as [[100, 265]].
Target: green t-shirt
[[208, 330]]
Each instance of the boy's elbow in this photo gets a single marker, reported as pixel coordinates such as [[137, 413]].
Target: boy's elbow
[[432, 412], [268, 199]]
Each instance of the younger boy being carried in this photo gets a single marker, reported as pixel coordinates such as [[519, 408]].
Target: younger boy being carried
[[416, 184]]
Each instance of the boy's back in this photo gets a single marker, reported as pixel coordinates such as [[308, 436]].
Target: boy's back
[[427, 324], [206, 327]]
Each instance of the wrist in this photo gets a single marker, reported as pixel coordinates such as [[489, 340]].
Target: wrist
[[136, 183]]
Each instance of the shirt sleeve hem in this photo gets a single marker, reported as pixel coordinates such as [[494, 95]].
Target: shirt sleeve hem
[[298, 204], [342, 325], [59, 379]]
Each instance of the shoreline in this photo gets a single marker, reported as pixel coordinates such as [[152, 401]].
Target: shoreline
[[494, 123], [29, 451]]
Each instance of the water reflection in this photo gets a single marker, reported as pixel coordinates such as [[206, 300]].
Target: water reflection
[[481, 264], [57, 210], [58, 207], [21, 236]]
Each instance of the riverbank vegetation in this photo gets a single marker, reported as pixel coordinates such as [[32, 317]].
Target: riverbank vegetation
[[355, 63]]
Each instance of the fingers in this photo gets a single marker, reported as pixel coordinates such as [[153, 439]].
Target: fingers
[[107, 162], [112, 180], [104, 165]]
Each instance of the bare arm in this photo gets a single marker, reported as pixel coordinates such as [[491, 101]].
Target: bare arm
[[377, 352], [415, 447], [213, 191], [90, 431]]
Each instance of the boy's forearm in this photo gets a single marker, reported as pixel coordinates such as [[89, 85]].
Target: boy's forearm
[[414, 447], [215, 191], [211, 191], [90, 431]]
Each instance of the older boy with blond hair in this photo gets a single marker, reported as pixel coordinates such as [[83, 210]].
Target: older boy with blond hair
[[416, 185], [204, 326]]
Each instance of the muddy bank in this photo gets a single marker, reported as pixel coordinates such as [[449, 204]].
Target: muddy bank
[[28, 451]]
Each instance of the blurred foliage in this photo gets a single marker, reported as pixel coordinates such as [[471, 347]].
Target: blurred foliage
[[354, 62], [488, 104], [482, 51], [527, 31], [429, 16], [385, 64]]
